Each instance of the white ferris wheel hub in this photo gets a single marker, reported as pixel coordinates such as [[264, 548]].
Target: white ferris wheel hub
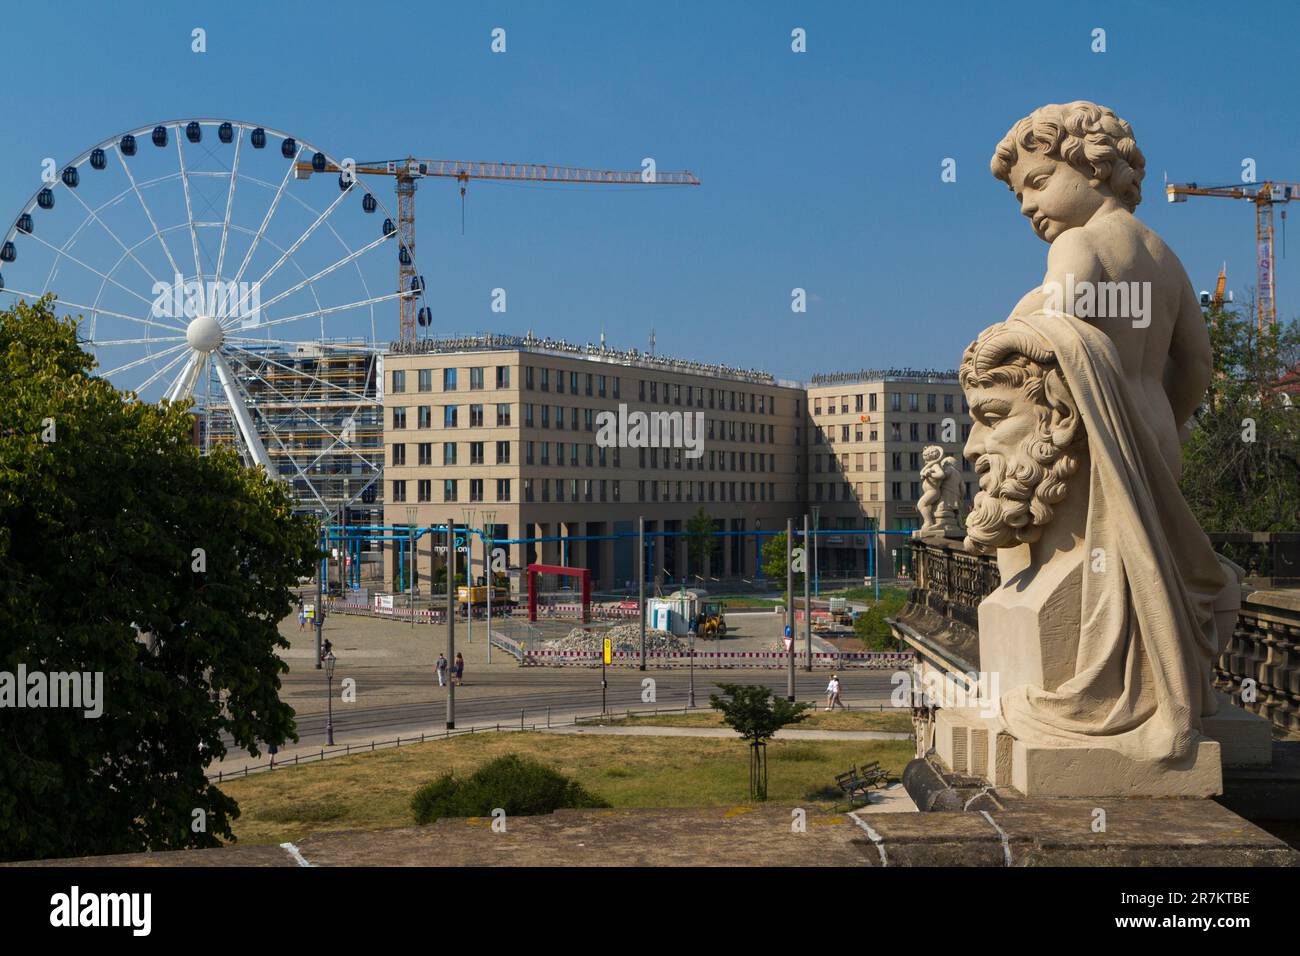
[[204, 334]]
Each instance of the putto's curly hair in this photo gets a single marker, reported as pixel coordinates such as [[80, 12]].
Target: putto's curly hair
[[1023, 490], [1089, 137]]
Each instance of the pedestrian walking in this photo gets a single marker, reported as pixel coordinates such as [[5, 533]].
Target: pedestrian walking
[[302, 618], [459, 669], [441, 668], [833, 693]]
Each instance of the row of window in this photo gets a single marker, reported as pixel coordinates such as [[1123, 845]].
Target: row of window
[[592, 456], [871, 462], [823, 491], [895, 401], [599, 386], [450, 416], [450, 490], [828, 433], [424, 379], [424, 453]]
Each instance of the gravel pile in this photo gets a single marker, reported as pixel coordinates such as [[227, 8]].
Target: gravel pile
[[626, 639]]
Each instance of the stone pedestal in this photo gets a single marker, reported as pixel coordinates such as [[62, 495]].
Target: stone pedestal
[[1245, 739], [969, 743]]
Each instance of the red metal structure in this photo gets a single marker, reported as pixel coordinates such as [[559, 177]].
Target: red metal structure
[[583, 573]]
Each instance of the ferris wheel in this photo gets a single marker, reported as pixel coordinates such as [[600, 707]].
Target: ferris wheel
[[206, 266]]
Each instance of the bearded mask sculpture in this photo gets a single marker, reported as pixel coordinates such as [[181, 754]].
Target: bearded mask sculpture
[[1026, 438]]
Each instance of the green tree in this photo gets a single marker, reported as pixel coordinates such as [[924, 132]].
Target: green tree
[[756, 714], [700, 541], [870, 625], [124, 552], [774, 562], [1241, 465]]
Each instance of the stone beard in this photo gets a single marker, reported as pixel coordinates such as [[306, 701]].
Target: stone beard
[[1019, 488]]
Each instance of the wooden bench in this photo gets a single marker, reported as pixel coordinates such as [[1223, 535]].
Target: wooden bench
[[856, 782], [873, 775]]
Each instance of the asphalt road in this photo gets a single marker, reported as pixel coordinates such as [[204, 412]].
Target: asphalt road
[[498, 696]]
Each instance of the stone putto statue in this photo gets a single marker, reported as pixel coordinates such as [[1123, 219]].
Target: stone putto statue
[[940, 502]]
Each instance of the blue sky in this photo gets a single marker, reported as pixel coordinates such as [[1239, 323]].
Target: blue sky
[[820, 170]]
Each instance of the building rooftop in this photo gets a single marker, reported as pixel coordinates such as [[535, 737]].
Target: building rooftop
[[490, 342], [929, 375]]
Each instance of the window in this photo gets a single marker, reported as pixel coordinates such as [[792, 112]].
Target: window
[[573, 383], [587, 419], [654, 391], [449, 489], [528, 416], [449, 453], [573, 453], [503, 376], [600, 386], [528, 489], [871, 402], [896, 491], [425, 450], [424, 490], [399, 491], [449, 416], [528, 452], [616, 395], [449, 380], [424, 416], [503, 489], [559, 387], [857, 403], [817, 406], [947, 403], [426, 380], [930, 402], [573, 419], [476, 379], [844, 433], [503, 453], [930, 431], [399, 380], [913, 401], [589, 378], [559, 489], [399, 417], [895, 402], [895, 432], [914, 461], [398, 455], [618, 493], [476, 416], [559, 417], [546, 380], [546, 416], [503, 413], [476, 489], [896, 461], [914, 431], [546, 453], [476, 453], [528, 379]]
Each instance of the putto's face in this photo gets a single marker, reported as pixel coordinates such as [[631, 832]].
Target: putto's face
[[1053, 195]]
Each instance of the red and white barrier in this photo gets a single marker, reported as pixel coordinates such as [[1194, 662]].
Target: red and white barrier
[[867, 660]]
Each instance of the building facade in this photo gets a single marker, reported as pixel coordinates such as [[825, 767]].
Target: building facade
[[571, 446], [541, 439], [868, 431]]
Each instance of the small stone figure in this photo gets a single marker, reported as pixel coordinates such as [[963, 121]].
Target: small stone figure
[[941, 500]]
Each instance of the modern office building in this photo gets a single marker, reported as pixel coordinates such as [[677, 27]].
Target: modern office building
[[868, 431], [541, 438]]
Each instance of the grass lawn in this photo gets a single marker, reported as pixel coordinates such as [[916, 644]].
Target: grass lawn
[[899, 721], [373, 791]]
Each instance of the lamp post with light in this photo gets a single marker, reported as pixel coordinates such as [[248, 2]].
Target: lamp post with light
[[489, 534], [330, 660]]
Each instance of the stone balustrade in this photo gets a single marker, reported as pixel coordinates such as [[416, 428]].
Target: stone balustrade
[[941, 621]]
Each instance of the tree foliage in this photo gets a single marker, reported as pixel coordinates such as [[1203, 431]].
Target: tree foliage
[[774, 562], [700, 541], [98, 542], [518, 785], [1241, 465], [756, 714]]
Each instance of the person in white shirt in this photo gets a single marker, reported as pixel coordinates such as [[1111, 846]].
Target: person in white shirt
[[833, 692]]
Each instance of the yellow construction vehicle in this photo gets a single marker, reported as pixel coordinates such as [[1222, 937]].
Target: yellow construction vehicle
[[713, 614], [477, 596]]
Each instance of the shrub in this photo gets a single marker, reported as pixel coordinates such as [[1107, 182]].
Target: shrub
[[519, 786]]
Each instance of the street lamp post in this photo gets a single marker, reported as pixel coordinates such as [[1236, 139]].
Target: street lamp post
[[469, 574], [320, 585], [451, 620], [489, 533], [411, 512], [329, 698], [691, 634], [789, 602], [807, 602], [817, 576]]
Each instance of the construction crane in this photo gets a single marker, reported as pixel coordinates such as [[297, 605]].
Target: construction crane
[[1216, 301], [407, 172], [1264, 196]]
